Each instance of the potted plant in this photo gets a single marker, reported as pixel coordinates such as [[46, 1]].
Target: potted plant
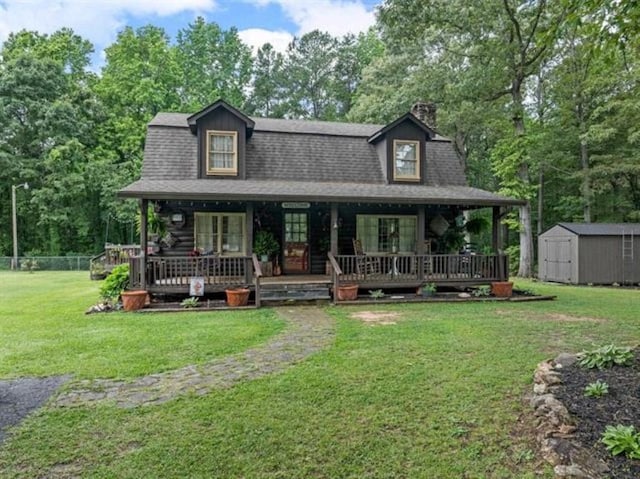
[[265, 245], [428, 290], [347, 292], [237, 296], [502, 289]]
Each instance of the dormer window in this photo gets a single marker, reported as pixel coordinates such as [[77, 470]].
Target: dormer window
[[222, 152], [406, 160]]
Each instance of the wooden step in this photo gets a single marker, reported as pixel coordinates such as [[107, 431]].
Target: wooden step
[[295, 292]]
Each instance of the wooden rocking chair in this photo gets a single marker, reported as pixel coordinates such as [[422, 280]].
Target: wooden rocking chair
[[365, 264]]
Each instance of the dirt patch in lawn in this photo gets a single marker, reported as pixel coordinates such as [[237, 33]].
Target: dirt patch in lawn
[[374, 318], [620, 406]]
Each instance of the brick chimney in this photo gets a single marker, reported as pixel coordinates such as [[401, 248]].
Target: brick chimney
[[425, 112]]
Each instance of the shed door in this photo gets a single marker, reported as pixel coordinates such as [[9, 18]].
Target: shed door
[[558, 259]]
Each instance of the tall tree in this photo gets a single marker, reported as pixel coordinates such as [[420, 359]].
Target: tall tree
[[268, 93], [213, 63]]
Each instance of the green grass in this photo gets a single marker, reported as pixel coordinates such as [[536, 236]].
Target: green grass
[[44, 331], [437, 395]]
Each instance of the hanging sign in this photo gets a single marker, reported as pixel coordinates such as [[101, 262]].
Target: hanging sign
[[296, 205], [196, 286]]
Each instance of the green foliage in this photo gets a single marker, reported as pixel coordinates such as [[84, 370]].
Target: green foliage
[[376, 293], [29, 265], [188, 303], [621, 439], [596, 389], [606, 357], [429, 289], [115, 283], [481, 291], [265, 243]]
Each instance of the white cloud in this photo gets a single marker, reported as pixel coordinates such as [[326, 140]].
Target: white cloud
[[256, 37], [96, 20], [338, 17]]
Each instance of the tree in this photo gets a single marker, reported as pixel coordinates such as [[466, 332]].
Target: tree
[[213, 63], [268, 93]]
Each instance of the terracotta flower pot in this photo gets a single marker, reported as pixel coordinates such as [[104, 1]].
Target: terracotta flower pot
[[237, 297], [133, 300], [347, 292], [502, 289]]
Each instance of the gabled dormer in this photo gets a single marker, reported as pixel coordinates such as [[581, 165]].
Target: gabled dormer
[[222, 132], [401, 147]]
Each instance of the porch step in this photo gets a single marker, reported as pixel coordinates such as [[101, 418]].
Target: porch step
[[295, 292]]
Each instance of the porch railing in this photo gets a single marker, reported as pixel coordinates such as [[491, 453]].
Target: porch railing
[[175, 273], [399, 270]]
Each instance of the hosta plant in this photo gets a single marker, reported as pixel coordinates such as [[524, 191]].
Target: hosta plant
[[606, 357], [597, 389], [622, 440]]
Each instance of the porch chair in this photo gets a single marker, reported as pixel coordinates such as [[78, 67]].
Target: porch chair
[[365, 264]]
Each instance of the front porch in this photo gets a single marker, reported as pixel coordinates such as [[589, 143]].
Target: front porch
[[173, 275]]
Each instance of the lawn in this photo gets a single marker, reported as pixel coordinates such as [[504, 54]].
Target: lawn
[[438, 394]]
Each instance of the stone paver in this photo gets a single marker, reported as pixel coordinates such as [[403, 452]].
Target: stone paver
[[309, 330]]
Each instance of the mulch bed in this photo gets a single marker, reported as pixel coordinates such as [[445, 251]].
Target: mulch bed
[[620, 406]]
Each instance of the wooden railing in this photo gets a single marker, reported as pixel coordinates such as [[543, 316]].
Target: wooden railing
[[396, 270], [116, 254], [168, 273]]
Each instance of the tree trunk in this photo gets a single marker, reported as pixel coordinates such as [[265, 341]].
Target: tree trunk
[[540, 200], [586, 182]]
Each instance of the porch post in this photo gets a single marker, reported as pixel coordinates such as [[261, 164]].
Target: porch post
[[249, 228], [144, 207], [422, 220], [496, 244], [334, 229]]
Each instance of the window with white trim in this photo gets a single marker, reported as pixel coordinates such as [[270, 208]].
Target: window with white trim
[[387, 233], [406, 160], [220, 233], [222, 152]]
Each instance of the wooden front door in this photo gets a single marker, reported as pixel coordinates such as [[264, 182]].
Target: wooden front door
[[296, 243]]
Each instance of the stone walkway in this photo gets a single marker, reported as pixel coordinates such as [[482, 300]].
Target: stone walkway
[[309, 330]]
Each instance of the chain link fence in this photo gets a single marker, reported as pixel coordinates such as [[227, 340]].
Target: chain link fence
[[50, 263]]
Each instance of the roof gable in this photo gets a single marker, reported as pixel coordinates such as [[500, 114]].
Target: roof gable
[[407, 117], [193, 119]]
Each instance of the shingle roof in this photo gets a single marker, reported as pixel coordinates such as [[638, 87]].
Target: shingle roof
[[602, 229], [179, 120], [210, 189], [301, 160]]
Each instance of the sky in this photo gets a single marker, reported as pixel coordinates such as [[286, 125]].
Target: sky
[[258, 21]]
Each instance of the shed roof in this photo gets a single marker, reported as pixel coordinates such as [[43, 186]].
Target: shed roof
[[602, 229]]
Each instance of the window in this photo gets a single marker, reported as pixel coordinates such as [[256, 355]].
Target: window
[[406, 160], [222, 152], [387, 234], [220, 233]]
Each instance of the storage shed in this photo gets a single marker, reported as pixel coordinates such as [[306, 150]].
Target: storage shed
[[590, 253]]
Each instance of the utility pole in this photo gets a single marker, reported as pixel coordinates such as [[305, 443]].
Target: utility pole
[[14, 221]]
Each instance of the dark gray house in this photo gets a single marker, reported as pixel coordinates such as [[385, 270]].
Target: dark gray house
[[590, 253], [332, 194]]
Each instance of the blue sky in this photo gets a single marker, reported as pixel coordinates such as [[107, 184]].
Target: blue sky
[[258, 21]]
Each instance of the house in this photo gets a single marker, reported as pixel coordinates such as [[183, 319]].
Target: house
[[367, 203], [584, 253]]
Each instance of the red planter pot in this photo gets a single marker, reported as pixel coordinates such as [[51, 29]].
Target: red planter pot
[[133, 300], [347, 292], [502, 289], [237, 297]]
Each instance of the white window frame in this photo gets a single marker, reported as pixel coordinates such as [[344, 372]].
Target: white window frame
[[211, 170], [218, 247], [367, 247], [396, 174]]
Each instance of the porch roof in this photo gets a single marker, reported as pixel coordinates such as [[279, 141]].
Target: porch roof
[[262, 190]]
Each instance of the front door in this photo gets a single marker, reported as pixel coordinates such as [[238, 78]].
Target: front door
[[296, 243]]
